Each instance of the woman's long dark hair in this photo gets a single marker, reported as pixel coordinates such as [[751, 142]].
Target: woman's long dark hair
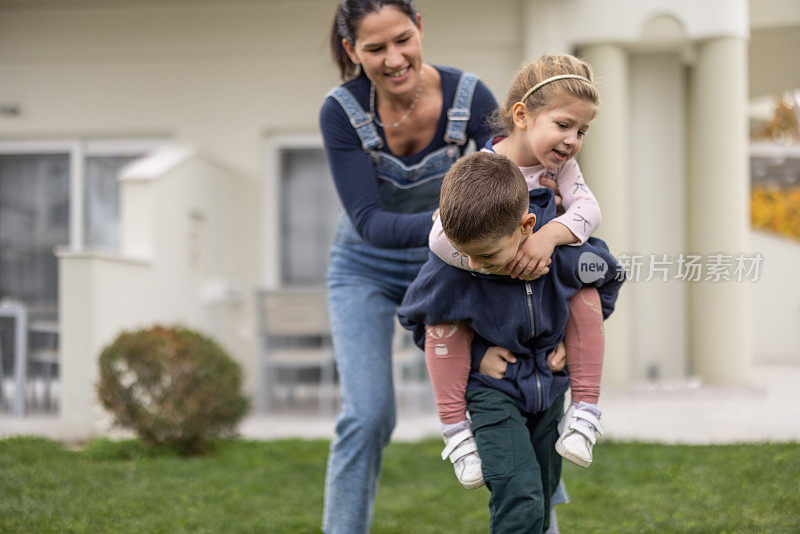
[[345, 22]]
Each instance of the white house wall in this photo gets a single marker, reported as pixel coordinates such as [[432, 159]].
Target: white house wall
[[776, 299], [202, 276], [774, 62], [216, 75], [774, 13], [190, 278], [97, 295], [658, 187], [580, 22]]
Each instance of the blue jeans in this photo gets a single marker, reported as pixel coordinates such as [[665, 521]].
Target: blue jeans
[[365, 286]]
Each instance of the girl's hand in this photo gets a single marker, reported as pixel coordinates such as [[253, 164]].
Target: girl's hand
[[557, 359], [495, 362], [533, 258], [546, 181]]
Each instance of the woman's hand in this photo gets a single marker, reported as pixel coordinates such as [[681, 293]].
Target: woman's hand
[[557, 359], [495, 362]]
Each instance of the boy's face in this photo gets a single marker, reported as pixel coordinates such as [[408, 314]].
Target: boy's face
[[491, 254]]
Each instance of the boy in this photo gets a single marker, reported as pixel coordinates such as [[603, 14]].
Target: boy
[[486, 212]]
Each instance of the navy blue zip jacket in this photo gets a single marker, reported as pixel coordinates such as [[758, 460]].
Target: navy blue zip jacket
[[527, 318]]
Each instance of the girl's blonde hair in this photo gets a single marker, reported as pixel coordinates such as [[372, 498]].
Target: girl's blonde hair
[[551, 94]]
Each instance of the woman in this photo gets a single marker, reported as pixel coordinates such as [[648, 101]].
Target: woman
[[390, 132]]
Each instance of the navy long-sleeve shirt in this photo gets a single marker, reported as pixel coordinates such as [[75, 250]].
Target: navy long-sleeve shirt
[[355, 178], [527, 318]]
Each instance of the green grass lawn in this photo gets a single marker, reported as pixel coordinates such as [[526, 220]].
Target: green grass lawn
[[248, 486]]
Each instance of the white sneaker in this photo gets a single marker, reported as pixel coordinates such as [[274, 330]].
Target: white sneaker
[[463, 453], [578, 431]]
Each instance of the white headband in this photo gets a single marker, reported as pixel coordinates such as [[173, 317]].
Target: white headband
[[554, 78]]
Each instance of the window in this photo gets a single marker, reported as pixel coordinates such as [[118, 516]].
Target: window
[[309, 212], [54, 194], [101, 201], [34, 219]]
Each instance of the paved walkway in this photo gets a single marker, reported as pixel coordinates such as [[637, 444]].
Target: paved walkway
[[767, 411], [681, 413], [678, 413]]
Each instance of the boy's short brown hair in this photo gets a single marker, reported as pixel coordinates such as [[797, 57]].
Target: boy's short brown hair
[[484, 195]]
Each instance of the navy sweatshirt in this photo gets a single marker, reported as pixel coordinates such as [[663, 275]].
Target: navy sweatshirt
[[354, 175], [527, 318]]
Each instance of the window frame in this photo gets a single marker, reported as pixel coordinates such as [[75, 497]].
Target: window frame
[[275, 144], [77, 151]]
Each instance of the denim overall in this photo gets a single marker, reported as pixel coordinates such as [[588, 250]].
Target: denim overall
[[365, 286]]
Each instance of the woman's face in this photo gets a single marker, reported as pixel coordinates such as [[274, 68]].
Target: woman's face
[[388, 46]]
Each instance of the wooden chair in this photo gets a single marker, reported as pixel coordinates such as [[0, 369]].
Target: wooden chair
[[295, 335]]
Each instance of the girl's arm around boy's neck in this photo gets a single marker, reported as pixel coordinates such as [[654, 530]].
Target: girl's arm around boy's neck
[[533, 257], [558, 234]]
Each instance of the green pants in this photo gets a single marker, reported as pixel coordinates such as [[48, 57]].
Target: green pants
[[521, 467]]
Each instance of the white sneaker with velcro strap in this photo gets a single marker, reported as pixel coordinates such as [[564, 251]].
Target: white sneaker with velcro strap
[[578, 431], [463, 453]]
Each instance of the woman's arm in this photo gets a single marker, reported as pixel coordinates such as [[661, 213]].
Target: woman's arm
[[354, 176], [355, 181], [483, 106]]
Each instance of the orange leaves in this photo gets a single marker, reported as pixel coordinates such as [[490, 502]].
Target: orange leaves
[[776, 210]]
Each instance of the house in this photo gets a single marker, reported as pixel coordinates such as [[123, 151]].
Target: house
[[168, 152]]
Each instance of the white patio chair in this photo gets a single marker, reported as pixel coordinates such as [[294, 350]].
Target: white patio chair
[[294, 333]]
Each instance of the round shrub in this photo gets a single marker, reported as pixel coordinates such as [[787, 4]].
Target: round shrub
[[172, 386]]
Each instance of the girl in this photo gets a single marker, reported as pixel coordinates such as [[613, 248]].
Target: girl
[[391, 131], [547, 113]]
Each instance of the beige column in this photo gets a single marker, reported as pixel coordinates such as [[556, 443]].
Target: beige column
[[720, 339], [605, 162], [543, 29]]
